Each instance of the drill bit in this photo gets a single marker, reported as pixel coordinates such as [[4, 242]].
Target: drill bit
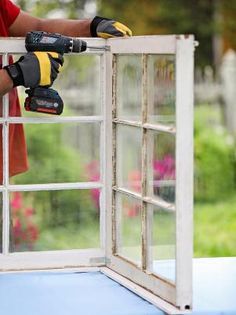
[[106, 48]]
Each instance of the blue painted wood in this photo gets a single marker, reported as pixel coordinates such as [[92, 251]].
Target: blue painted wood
[[70, 293]]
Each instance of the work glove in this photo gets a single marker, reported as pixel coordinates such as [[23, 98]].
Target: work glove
[[35, 69], [107, 28]]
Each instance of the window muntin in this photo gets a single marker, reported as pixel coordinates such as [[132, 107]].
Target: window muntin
[[145, 148], [1, 223], [55, 172], [181, 49], [1, 148]]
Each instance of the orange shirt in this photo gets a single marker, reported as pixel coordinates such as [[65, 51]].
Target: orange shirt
[[17, 146]]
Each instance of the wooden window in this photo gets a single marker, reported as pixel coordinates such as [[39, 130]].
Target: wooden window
[[138, 124]]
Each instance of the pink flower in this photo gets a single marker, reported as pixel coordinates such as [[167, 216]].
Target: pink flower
[[132, 211], [93, 171], [134, 179], [17, 230], [95, 193], [94, 176], [165, 168], [16, 202]]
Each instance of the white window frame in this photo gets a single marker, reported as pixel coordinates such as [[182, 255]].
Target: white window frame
[[180, 293], [173, 299], [50, 259]]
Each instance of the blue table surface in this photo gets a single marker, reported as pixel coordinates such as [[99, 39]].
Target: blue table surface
[[69, 293]]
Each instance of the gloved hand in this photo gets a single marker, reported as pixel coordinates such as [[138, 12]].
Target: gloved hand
[[106, 28], [35, 69]]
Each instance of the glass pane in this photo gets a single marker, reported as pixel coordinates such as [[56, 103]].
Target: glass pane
[[78, 84], [128, 171], [54, 220], [161, 173], [129, 87], [57, 153], [163, 240], [128, 228], [161, 89]]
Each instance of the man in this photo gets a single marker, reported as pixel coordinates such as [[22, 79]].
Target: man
[[42, 68]]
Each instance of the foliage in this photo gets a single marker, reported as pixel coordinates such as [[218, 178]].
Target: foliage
[[55, 156], [70, 236], [214, 158], [214, 231], [154, 17], [71, 9], [215, 225], [51, 161], [203, 18], [49, 153], [227, 22]]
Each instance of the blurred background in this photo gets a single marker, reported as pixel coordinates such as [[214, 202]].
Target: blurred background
[[213, 22]]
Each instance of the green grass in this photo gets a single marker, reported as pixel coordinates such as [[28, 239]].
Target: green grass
[[215, 228], [69, 237]]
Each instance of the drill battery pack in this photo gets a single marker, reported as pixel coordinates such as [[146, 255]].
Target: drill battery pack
[[43, 100]]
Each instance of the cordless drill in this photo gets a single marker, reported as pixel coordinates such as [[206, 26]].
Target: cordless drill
[[43, 99]]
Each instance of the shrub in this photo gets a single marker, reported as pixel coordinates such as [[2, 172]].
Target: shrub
[[53, 160], [214, 157]]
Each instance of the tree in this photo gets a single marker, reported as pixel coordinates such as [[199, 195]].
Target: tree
[[228, 23], [206, 19], [70, 8], [152, 17]]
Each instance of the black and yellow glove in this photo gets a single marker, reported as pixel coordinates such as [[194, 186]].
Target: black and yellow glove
[[107, 28], [35, 69]]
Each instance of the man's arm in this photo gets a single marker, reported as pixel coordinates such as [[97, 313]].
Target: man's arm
[[25, 23], [6, 83], [98, 27]]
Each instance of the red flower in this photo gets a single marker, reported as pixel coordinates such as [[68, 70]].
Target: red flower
[[24, 230], [32, 232], [29, 212]]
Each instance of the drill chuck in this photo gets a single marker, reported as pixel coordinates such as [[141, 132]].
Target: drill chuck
[[78, 45]]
